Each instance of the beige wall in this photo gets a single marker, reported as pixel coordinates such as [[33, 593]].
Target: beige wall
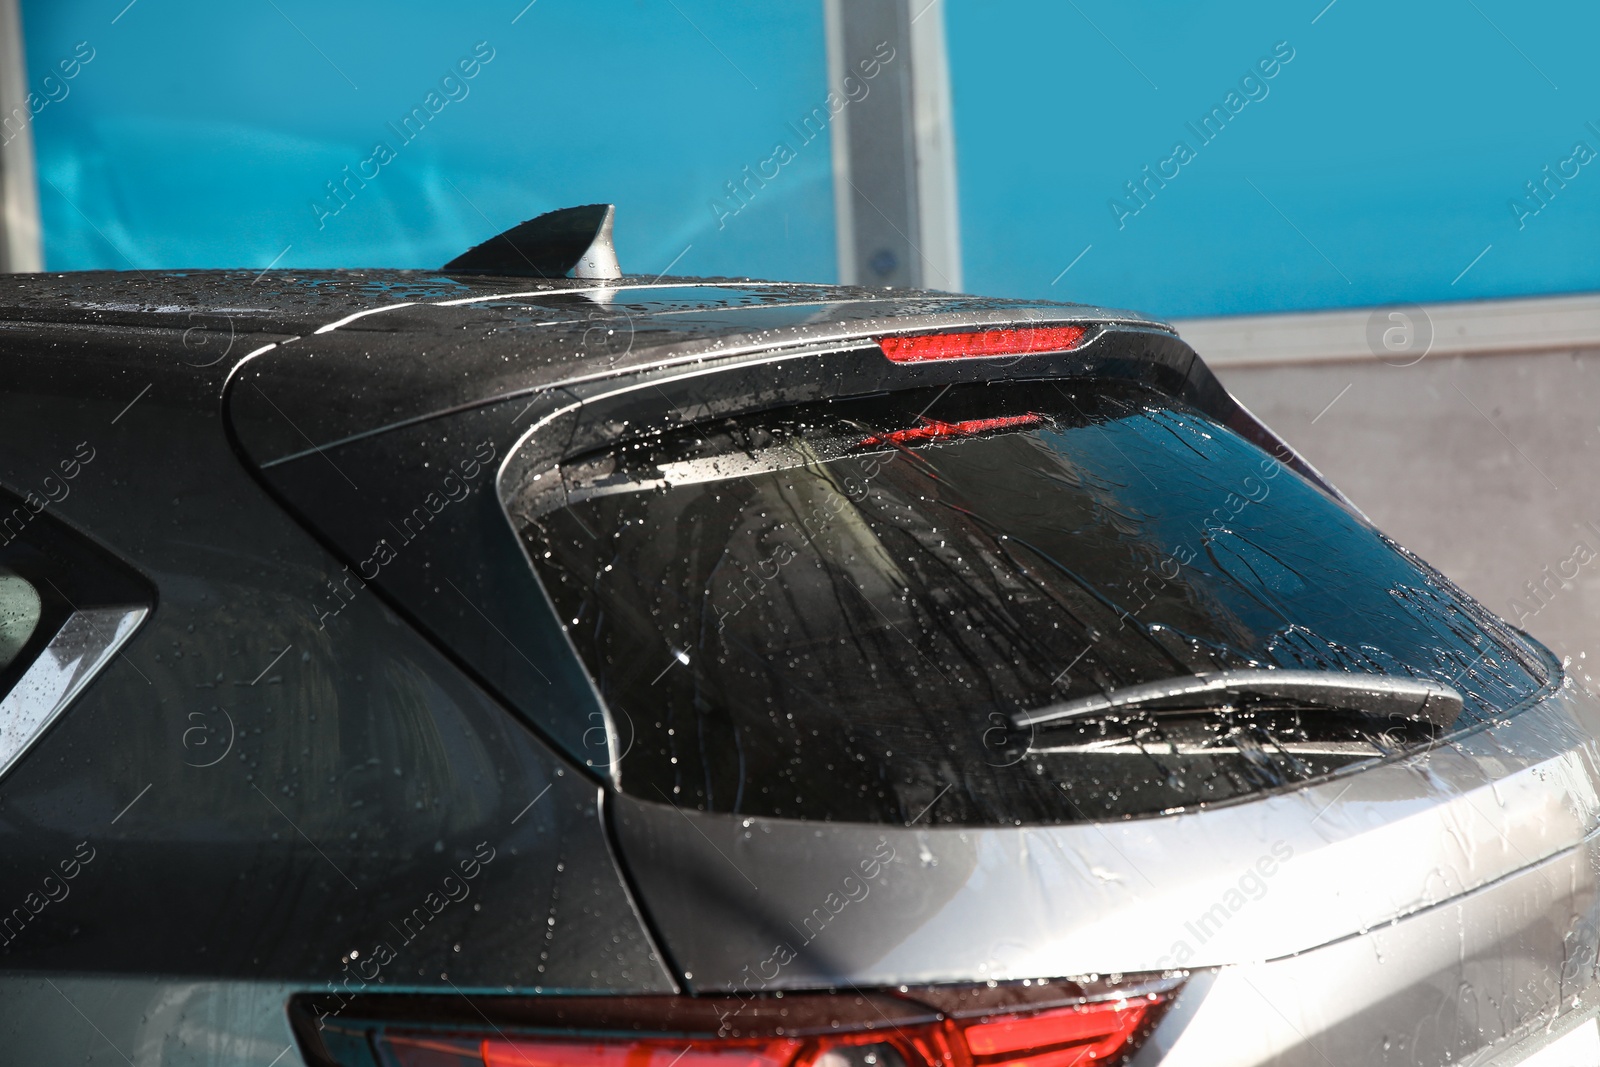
[[1492, 495]]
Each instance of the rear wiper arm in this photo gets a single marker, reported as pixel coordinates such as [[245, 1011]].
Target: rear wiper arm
[[1417, 699]]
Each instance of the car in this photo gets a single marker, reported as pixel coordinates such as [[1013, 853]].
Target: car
[[528, 663]]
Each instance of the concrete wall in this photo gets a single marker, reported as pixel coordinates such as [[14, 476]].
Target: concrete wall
[[1487, 465]]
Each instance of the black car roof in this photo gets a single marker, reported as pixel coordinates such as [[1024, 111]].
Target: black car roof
[[332, 355], [338, 354], [304, 302]]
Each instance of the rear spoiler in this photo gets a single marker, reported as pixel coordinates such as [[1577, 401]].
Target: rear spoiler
[[589, 414]]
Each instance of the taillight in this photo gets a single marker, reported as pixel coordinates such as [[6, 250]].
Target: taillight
[[1062, 1024], [546, 1053], [979, 344], [933, 429], [1065, 1037]]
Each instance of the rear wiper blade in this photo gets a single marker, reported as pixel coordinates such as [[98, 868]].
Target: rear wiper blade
[[1418, 699]]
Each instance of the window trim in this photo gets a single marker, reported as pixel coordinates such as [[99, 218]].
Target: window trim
[[75, 654]]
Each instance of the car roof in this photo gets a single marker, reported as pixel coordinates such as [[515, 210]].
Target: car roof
[[337, 354], [306, 302]]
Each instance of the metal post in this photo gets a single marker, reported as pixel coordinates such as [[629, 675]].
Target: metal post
[[894, 170], [19, 192]]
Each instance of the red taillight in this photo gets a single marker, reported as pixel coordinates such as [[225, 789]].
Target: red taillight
[[932, 429], [1065, 1037], [1096, 1032], [1017, 341], [679, 1053]]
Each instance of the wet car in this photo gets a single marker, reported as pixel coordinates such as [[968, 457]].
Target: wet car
[[526, 663]]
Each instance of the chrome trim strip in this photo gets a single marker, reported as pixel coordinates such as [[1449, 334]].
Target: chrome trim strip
[[84, 644]]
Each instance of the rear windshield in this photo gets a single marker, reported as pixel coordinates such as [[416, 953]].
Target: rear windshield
[[835, 611]]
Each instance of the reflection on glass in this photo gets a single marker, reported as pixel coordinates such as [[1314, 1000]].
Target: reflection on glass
[[20, 608], [833, 611]]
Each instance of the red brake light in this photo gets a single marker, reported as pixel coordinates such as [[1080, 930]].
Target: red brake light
[[681, 1053], [933, 428], [1016, 341], [1065, 1037], [963, 1028]]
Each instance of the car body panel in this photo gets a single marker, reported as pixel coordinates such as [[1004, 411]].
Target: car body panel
[[1488, 979], [1262, 879], [1476, 978], [257, 432], [261, 792]]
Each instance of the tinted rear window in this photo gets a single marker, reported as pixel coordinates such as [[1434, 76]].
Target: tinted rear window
[[832, 612]]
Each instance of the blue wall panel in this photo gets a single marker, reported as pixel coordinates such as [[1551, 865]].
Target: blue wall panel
[[1375, 166], [1380, 163], [205, 134]]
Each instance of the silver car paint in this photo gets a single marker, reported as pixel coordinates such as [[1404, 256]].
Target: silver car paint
[[1261, 880], [1485, 979]]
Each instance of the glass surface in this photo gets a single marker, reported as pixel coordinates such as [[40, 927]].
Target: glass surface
[[833, 611], [20, 609]]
